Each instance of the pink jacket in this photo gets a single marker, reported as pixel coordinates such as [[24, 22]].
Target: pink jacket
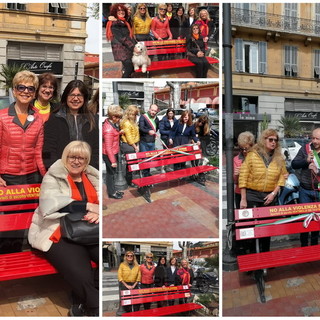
[[237, 162], [147, 274], [110, 144], [160, 29], [20, 147]]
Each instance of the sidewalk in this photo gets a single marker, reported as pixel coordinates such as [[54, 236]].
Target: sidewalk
[[179, 209], [290, 291]]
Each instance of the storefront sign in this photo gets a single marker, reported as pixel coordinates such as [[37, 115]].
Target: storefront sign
[[251, 116], [38, 67], [304, 115]]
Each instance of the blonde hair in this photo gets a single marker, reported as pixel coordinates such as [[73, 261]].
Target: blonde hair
[[206, 11], [246, 138], [130, 113], [115, 111], [77, 148], [24, 77], [137, 13], [125, 260]]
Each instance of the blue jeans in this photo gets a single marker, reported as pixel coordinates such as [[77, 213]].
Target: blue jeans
[[146, 146], [306, 196]]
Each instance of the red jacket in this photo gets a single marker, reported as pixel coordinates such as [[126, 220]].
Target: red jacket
[[160, 29], [20, 147], [110, 144]]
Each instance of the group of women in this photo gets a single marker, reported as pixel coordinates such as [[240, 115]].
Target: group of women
[[124, 30], [125, 134], [149, 275], [56, 144]]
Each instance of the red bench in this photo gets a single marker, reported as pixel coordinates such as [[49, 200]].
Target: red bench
[[158, 158], [169, 47], [140, 296], [262, 222], [30, 263]]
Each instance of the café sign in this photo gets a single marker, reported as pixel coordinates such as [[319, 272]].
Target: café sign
[[304, 115], [38, 67]]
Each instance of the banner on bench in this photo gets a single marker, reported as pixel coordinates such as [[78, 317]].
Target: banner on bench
[[18, 192]]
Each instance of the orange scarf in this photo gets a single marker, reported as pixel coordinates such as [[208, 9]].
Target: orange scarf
[[75, 194], [109, 33], [185, 276], [196, 35]]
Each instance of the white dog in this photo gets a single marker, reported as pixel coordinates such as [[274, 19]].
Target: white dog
[[140, 57]]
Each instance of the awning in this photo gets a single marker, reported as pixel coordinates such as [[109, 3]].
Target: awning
[[215, 100], [205, 100]]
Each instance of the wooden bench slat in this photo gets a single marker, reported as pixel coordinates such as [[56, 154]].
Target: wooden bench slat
[[163, 311], [173, 175], [278, 258], [15, 221]]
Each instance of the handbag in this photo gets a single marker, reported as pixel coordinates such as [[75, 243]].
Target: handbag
[[77, 230]]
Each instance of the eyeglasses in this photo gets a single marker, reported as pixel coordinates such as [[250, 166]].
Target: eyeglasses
[[272, 139], [162, 9], [74, 158], [22, 88], [142, 8], [149, 257], [129, 255], [72, 96]]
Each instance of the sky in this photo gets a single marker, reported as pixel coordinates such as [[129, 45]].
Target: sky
[[93, 31]]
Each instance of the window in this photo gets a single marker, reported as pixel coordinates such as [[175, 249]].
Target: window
[[16, 6], [58, 7], [316, 68], [290, 61], [251, 57], [290, 16]]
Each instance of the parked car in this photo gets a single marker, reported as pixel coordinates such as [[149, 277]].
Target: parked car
[[211, 113], [291, 146]]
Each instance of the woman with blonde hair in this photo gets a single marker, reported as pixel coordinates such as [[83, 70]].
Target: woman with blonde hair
[[129, 275], [130, 136], [142, 23], [262, 174], [110, 148], [206, 26]]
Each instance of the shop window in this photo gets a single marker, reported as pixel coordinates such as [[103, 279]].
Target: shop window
[[58, 7], [316, 68], [251, 57], [290, 61], [317, 18], [16, 6]]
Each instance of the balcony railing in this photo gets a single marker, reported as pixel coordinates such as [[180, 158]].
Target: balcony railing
[[274, 22]]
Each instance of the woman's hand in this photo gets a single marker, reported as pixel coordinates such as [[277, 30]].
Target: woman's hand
[[114, 165], [205, 39], [200, 54], [170, 141], [2, 183], [92, 217], [269, 198], [92, 207], [243, 204]]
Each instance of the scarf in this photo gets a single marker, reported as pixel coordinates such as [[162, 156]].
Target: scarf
[[196, 35], [204, 28], [185, 276], [109, 33], [75, 194]]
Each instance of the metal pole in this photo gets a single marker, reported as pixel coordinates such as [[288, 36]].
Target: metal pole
[[76, 68], [120, 181], [229, 260]]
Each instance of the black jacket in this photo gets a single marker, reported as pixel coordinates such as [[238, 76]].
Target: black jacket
[[57, 134], [194, 46], [304, 175], [179, 29], [172, 278], [145, 127]]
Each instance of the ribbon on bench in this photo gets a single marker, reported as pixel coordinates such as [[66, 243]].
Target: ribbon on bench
[[308, 217]]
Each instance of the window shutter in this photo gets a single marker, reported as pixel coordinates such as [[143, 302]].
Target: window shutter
[[239, 55], [262, 57]]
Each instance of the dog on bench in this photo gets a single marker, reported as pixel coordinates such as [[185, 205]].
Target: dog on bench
[[140, 57]]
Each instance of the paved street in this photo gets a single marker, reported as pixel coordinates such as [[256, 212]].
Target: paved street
[[179, 209], [112, 69]]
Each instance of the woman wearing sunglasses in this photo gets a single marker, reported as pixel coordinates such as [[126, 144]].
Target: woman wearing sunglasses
[[21, 140], [72, 120], [147, 270], [142, 23], [129, 275], [262, 174]]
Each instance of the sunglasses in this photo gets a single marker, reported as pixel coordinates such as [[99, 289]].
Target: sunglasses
[[272, 139], [161, 9], [129, 255], [22, 88], [142, 8], [149, 257]]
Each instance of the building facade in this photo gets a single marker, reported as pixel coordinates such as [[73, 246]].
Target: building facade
[[44, 37], [276, 64]]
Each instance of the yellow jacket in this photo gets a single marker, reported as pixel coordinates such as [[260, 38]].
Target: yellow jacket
[[131, 132], [129, 275], [141, 26], [256, 176]]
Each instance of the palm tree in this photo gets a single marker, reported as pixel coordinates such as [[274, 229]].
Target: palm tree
[[291, 126], [124, 101], [8, 72]]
